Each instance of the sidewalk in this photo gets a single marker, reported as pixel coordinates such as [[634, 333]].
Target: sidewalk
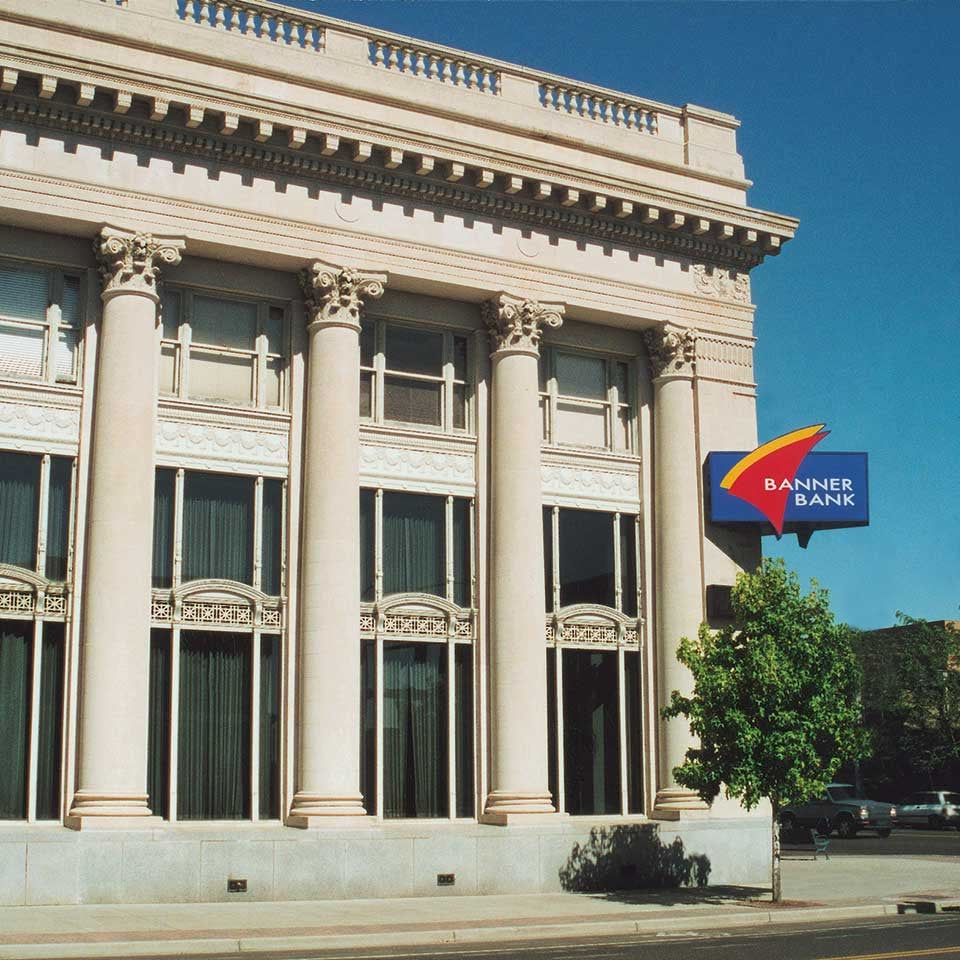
[[842, 887]]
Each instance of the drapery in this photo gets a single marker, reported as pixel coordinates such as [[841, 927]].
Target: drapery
[[158, 728], [591, 732], [50, 726], [461, 552], [463, 728], [16, 655], [414, 558], [414, 730], [218, 527], [213, 768], [634, 745], [367, 537], [19, 497], [368, 724], [272, 537], [163, 488], [58, 517], [269, 786]]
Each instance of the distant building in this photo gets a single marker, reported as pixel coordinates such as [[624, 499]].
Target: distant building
[[354, 396]]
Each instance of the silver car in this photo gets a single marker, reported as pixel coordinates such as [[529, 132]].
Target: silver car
[[934, 809]]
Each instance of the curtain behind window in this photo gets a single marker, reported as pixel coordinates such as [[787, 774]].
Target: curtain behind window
[[414, 730], [217, 527], [163, 494], [50, 727], [269, 786], [272, 537], [19, 498], [158, 727], [15, 672], [58, 517], [414, 559], [213, 760]]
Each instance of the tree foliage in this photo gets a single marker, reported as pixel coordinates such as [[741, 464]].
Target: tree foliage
[[775, 701], [911, 699]]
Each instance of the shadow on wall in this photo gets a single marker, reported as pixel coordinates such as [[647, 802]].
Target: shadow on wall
[[631, 857]]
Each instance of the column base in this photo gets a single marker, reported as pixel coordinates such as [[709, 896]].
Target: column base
[[675, 803], [313, 810], [110, 811], [507, 808]]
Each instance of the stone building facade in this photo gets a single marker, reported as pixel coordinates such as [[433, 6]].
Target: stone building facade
[[354, 396]]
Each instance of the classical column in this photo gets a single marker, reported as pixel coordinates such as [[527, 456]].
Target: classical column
[[328, 747], [518, 679], [115, 624], [676, 510]]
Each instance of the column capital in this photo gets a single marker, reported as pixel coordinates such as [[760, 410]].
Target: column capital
[[130, 261], [335, 295], [516, 324], [672, 351]]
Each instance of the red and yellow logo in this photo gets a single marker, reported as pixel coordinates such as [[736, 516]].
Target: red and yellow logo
[[764, 477]]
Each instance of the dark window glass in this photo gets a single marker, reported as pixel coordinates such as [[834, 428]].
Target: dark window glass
[[272, 560], [459, 406], [552, 766], [269, 786], [163, 528], [50, 726], [368, 725], [548, 557], [224, 323], [591, 733], [463, 698], [217, 527], [414, 351], [586, 558], [158, 729], [274, 330], [415, 730], [634, 722], [461, 552], [170, 314], [414, 558], [213, 754], [367, 343], [366, 393], [58, 517], [16, 668], [628, 566], [367, 545], [460, 358], [411, 401], [19, 499]]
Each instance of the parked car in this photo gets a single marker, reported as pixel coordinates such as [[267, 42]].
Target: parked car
[[935, 809], [840, 809]]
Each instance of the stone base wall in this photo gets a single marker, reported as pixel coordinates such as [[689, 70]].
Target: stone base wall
[[48, 864]]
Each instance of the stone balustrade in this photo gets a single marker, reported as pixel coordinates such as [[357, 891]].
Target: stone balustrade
[[281, 25]]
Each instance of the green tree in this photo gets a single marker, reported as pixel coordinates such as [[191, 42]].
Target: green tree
[[911, 698], [775, 701]]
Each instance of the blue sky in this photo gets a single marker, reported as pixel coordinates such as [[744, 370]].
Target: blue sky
[[850, 123]]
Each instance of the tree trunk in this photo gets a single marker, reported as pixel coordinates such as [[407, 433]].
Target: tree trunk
[[775, 859]]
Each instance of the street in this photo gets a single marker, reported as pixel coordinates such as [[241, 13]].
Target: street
[[904, 841], [933, 938]]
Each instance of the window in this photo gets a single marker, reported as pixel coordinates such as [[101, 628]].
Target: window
[[40, 324], [223, 350], [417, 677], [225, 724], [590, 557], [31, 718], [35, 497], [413, 375], [425, 545], [229, 528], [594, 730], [585, 401]]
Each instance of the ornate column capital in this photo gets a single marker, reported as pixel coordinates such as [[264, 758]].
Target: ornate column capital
[[334, 295], [672, 351], [130, 262], [516, 325]]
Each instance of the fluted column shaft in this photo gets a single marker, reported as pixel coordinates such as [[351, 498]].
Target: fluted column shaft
[[679, 581], [518, 682], [115, 622], [328, 745]]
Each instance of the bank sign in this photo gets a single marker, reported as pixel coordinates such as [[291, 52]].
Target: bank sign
[[786, 485]]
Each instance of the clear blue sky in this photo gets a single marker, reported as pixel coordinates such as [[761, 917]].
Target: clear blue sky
[[851, 122]]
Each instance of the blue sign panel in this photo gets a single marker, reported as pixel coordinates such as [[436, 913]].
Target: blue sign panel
[[829, 490]]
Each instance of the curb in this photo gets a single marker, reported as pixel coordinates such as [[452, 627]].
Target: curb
[[255, 946]]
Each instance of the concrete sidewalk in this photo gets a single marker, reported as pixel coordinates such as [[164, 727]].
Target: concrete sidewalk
[[842, 887]]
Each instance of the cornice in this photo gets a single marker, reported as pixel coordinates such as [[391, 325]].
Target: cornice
[[711, 233]]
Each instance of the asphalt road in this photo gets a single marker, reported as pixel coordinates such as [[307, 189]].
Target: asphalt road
[[888, 938], [904, 841]]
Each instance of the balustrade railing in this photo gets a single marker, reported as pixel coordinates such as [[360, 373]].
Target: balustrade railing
[[417, 61], [253, 20], [598, 106]]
